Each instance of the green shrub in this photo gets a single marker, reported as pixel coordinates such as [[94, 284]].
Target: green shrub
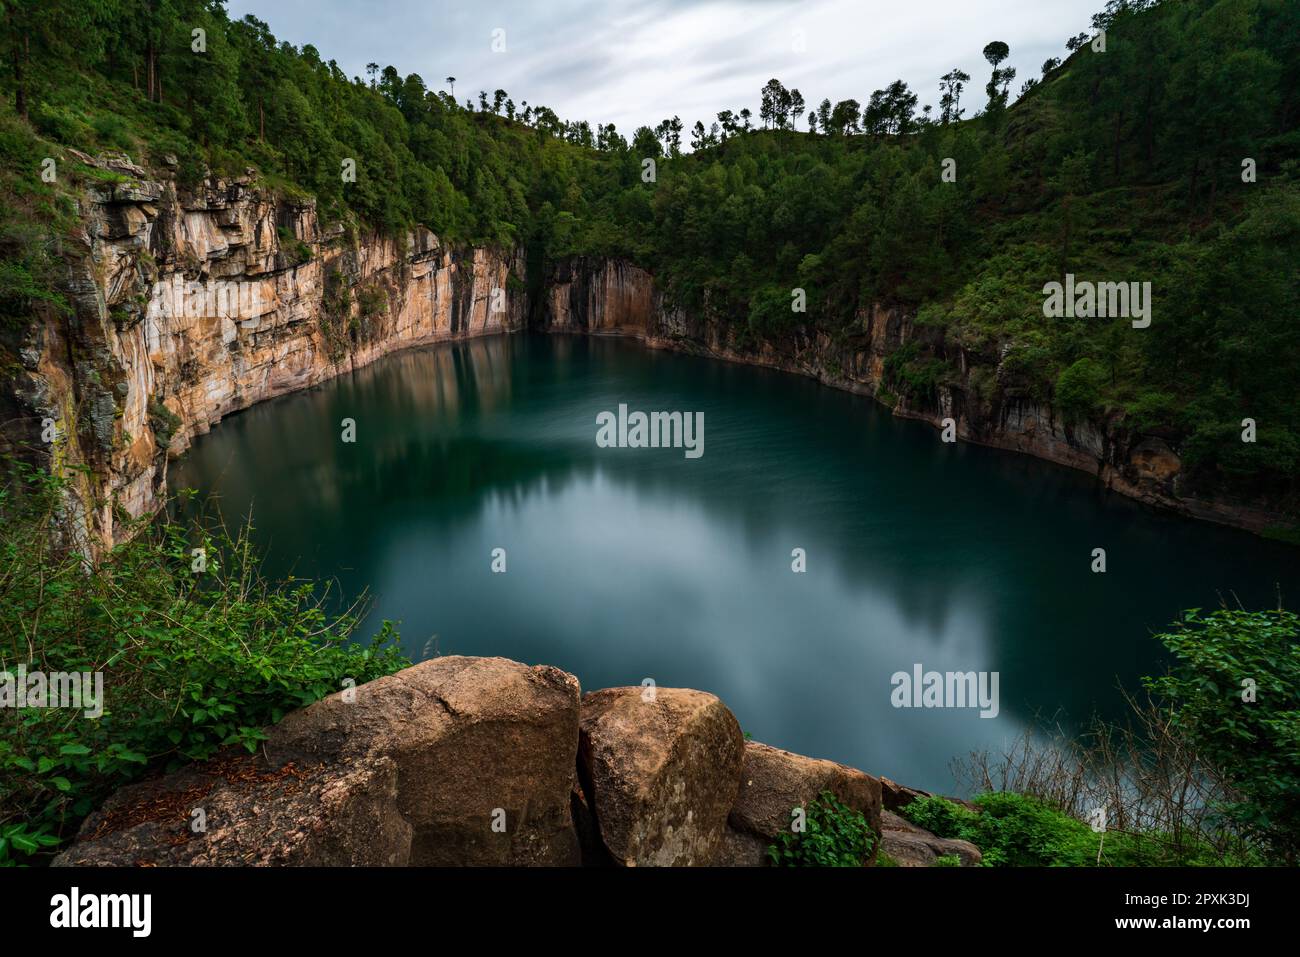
[[26, 281], [112, 130], [192, 661], [1151, 409], [1015, 830], [770, 311], [336, 314], [1078, 389], [1009, 829], [1254, 743], [298, 251], [372, 300], [164, 421], [914, 375], [62, 125], [834, 835]]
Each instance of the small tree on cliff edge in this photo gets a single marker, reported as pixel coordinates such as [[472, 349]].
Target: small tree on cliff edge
[[1000, 79]]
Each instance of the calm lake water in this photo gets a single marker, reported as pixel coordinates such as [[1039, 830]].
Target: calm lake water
[[625, 564]]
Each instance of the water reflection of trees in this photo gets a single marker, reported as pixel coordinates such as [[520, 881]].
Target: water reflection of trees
[[934, 530]]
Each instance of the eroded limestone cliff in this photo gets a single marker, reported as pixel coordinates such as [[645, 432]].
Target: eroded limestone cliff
[[190, 304], [609, 297]]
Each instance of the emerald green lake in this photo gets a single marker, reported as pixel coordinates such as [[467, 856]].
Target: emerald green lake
[[624, 564]]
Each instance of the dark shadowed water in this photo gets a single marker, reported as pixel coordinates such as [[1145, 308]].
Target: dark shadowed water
[[625, 564]]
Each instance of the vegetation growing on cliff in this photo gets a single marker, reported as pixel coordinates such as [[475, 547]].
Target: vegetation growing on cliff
[[32, 216], [1122, 165], [197, 652], [832, 834], [1173, 157]]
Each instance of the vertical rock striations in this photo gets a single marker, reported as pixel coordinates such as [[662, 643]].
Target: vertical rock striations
[[190, 304], [979, 393]]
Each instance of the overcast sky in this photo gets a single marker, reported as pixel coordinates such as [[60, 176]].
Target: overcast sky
[[638, 61]]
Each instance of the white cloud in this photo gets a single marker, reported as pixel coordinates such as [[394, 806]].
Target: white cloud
[[636, 62]]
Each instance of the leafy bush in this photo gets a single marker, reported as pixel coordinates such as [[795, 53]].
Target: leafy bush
[[298, 251], [61, 124], [911, 374], [28, 275], [164, 422], [770, 312], [1078, 389], [1010, 830], [1151, 408], [1015, 830], [112, 130], [192, 661], [834, 835], [372, 300], [1254, 738]]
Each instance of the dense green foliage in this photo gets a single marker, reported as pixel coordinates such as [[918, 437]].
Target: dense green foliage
[[1209, 774], [247, 100], [1234, 695], [1122, 165], [192, 661], [1013, 830], [834, 835]]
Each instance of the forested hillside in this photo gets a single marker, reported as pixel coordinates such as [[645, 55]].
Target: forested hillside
[[1169, 157]]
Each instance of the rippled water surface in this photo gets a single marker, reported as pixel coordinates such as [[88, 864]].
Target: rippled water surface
[[624, 564]]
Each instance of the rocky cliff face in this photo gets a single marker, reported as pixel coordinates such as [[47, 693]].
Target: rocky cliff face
[[190, 304], [605, 297]]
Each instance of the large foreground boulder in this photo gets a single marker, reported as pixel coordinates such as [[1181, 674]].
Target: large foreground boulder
[[659, 769], [775, 782], [454, 761], [485, 761]]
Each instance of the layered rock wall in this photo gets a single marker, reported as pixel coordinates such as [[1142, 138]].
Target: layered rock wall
[[191, 304], [612, 297]]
